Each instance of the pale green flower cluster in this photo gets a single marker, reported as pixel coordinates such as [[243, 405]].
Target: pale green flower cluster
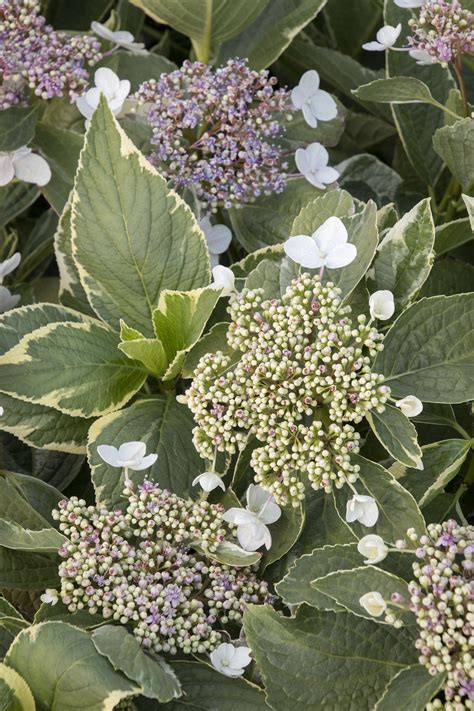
[[301, 372]]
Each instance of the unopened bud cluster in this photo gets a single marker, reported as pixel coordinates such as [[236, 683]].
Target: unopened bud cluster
[[443, 29], [303, 374], [34, 56], [442, 598], [215, 130], [144, 567]]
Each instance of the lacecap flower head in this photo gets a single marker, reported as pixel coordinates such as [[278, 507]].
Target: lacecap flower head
[[216, 131], [34, 56], [150, 565], [302, 378]]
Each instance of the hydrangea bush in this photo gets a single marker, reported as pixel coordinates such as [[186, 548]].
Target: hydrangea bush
[[236, 355]]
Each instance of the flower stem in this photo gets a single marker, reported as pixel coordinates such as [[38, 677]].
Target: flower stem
[[458, 69]]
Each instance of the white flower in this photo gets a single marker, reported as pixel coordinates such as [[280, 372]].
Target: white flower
[[326, 247], [422, 56], [223, 279], [120, 38], [382, 305], [312, 162], [1, 410], [50, 596], [373, 603], [373, 547], [252, 532], [316, 104], [209, 481], [7, 299], [9, 265], [363, 509], [386, 38], [107, 83], [218, 238], [230, 660], [24, 165], [410, 405], [409, 4], [130, 455]]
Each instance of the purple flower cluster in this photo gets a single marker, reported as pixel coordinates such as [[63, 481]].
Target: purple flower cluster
[[144, 567], [214, 131], [444, 29], [35, 56], [442, 600]]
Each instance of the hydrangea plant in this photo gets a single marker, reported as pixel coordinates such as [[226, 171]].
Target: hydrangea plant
[[236, 355]]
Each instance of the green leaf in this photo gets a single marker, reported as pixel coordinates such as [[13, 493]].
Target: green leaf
[[148, 351], [71, 291], [76, 675], [156, 678], [360, 171], [14, 199], [411, 690], [144, 227], [353, 23], [17, 127], [335, 203], [396, 90], [243, 268], [428, 350], [397, 434], [73, 367], [165, 427], [76, 15], [285, 532], [448, 277], [39, 425], [212, 341], [455, 145], [416, 123], [296, 588], [266, 276], [15, 694], [43, 427], [272, 31], [452, 235], [362, 231], [268, 221], [179, 322], [36, 247], [41, 496], [206, 22], [442, 461], [21, 321], [347, 586], [332, 528], [340, 657], [207, 690], [405, 255], [16, 537], [436, 414], [230, 553], [27, 571], [398, 510], [469, 202], [61, 148], [15, 506], [363, 131]]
